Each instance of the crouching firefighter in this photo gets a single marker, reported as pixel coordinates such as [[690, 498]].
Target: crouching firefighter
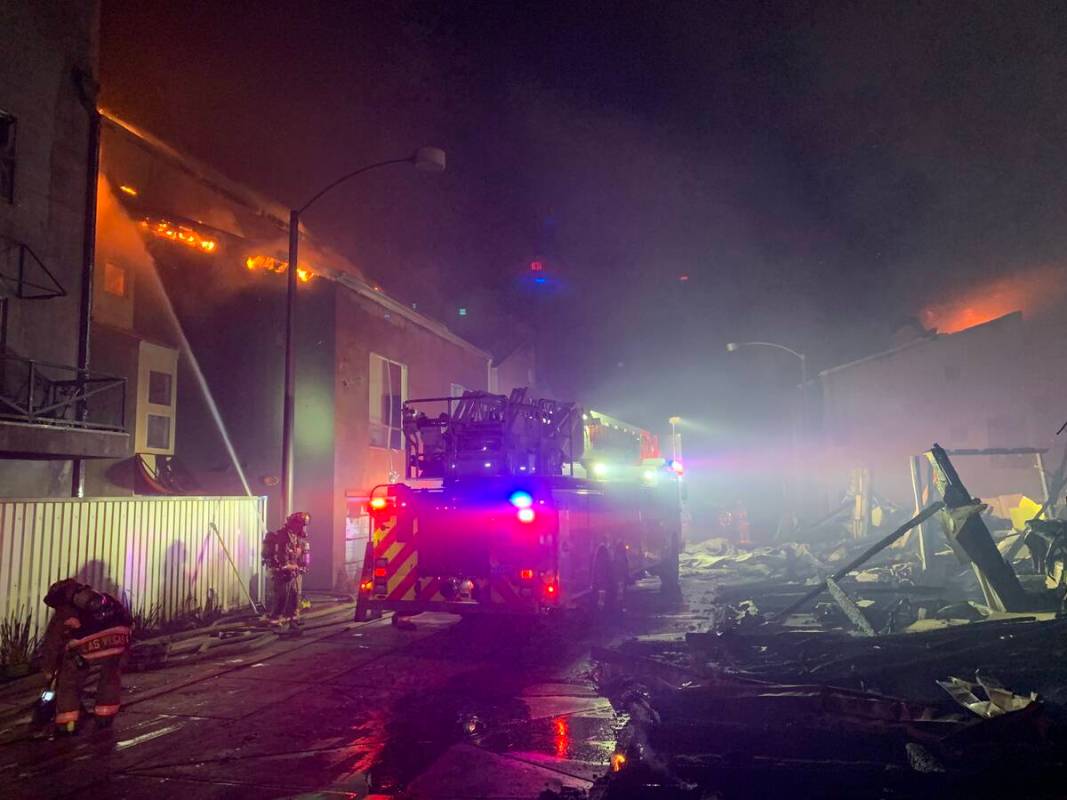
[[87, 628], [287, 554]]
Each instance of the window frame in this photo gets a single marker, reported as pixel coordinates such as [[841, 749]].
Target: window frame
[[155, 358], [376, 387], [156, 448], [111, 267], [169, 384]]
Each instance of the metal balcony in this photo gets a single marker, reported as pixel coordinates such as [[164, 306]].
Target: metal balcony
[[42, 393]]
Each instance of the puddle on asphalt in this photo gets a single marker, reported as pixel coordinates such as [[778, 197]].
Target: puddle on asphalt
[[573, 737], [484, 707]]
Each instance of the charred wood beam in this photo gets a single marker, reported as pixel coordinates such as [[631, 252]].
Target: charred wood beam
[[866, 555], [852, 611], [964, 525]]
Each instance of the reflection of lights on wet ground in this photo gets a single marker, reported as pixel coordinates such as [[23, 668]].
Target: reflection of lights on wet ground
[[562, 732]]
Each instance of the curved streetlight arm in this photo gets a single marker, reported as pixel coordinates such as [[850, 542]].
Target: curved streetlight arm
[[803, 359], [772, 344], [354, 173]]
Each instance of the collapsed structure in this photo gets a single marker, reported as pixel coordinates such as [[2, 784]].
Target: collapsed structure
[[909, 662]]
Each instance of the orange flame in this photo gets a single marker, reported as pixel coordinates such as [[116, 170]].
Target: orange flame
[[271, 264], [165, 229], [1031, 292]]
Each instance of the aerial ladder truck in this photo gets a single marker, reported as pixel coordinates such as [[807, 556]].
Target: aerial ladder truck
[[516, 505]]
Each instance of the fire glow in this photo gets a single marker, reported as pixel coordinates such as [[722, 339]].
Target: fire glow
[[1031, 292], [165, 229], [276, 265]]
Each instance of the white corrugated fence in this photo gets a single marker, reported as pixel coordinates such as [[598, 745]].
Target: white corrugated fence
[[159, 553]]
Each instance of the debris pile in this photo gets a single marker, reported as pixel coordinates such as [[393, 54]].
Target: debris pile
[[858, 668]]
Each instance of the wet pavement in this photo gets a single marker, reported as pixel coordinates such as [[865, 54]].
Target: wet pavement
[[455, 709]]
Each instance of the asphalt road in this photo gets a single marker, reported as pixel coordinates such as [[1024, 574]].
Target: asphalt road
[[455, 709]]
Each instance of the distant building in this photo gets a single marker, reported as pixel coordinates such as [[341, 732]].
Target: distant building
[[516, 370], [993, 385], [53, 413], [175, 234]]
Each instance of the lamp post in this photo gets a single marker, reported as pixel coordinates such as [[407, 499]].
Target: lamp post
[[676, 443], [733, 346], [427, 159]]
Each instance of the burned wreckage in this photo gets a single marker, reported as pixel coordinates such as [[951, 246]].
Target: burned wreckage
[[923, 662]]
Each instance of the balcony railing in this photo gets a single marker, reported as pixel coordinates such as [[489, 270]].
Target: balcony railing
[[42, 393]]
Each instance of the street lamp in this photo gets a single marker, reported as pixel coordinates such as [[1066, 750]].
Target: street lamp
[[676, 444], [426, 159], [734, 346]]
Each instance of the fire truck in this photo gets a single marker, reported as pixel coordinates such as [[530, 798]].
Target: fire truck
[[517, 505]]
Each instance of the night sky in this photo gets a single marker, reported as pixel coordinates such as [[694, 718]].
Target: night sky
[[817, 171]]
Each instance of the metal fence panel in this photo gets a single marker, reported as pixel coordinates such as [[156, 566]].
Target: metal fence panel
[[158, 553]]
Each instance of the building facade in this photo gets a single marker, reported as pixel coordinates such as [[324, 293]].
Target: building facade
[[190, 305], [54, 413]]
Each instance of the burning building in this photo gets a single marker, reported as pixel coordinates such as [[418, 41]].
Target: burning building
[[190, 305]]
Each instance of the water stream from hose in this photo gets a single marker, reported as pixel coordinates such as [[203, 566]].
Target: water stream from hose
[[205, 390]]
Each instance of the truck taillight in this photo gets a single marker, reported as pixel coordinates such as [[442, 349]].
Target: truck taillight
[[379, 508], [551, 586]]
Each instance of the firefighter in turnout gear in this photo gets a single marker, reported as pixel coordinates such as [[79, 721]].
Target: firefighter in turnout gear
[[87, 628], [287, 554]]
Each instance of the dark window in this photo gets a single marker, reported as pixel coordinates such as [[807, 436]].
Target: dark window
[[158, 432], [7, 156], [159, 388]]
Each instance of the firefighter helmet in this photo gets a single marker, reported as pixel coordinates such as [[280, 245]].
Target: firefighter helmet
[[62, 592], [298, 520]]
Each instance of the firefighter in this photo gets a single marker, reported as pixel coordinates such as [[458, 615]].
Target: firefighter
[[87, 628], [287, 554]]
